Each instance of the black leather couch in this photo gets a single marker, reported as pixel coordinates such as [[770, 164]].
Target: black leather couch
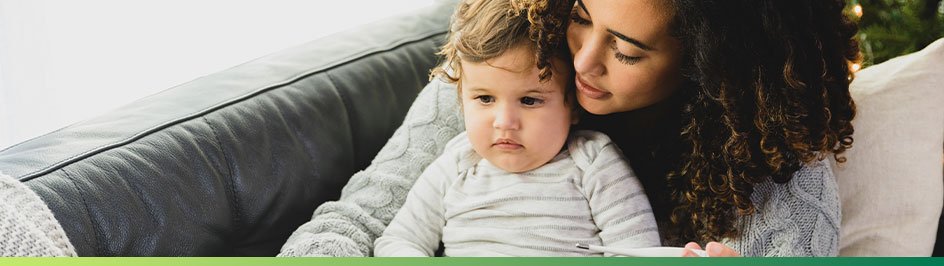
[[231, 163]]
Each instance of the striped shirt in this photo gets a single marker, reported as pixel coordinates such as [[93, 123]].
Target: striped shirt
[[586, 194]]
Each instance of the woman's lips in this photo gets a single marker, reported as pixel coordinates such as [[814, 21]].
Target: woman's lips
[[588, 90]]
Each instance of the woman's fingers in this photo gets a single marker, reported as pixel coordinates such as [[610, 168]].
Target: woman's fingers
[[688, 249], [716, 249]]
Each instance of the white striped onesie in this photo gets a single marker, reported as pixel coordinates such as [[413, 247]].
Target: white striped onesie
[[586, 194]]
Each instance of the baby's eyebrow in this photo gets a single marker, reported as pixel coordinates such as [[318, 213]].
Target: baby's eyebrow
[[531, 90], [540, 90], [478, 90]]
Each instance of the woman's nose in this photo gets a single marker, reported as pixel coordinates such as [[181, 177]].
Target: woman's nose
[[588, 59], [506, 118]]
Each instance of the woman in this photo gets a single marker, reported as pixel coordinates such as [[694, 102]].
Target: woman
[[727, 111]]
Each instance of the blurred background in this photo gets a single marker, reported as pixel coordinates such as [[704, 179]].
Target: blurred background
[[64, 61], [889, 28]]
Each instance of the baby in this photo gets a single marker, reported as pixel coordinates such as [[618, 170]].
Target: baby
[[518, 182]]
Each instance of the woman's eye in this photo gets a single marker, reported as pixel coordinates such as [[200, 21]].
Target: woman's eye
[[575, 17], [484, 99], [623, 58], [530, 101]]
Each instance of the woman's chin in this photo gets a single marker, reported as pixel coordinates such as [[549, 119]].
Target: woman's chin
[[594, 106]]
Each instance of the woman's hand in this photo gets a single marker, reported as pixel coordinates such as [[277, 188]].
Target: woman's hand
[[714, 249]]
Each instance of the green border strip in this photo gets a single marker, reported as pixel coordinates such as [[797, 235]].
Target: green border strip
[[254, 261]]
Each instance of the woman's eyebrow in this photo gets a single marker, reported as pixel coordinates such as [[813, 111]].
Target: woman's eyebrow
[[584, 7], [632, 41]]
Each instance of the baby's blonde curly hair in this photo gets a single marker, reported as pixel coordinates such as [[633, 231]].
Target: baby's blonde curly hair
[[485, 29]]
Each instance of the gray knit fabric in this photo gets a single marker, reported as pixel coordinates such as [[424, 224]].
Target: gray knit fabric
[[800, 218], [27, 227]]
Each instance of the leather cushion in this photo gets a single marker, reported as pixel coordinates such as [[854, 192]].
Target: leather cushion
[[231, 163]]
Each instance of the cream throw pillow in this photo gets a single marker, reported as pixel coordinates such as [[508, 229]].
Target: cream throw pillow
[[892, 185]]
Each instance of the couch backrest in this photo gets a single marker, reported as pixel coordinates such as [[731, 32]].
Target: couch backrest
[[231, 163]]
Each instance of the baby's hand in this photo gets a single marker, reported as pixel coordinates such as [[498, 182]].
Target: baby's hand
[[714, 249]]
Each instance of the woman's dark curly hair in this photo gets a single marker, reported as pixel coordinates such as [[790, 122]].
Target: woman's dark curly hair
[[767, 92], [775, 74]]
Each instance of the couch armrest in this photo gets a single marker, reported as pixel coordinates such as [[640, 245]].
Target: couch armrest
[[231, 163]]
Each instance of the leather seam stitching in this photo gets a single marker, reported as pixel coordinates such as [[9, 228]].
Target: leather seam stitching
[[175, 121]]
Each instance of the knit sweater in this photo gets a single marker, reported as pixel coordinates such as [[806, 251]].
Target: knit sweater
[[797, 218], [27, 226], [585, 194]]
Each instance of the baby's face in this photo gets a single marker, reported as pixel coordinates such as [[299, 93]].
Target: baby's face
[[513, 120]]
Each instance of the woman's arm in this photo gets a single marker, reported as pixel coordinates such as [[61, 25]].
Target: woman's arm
[[800, 218], [28, 228], [349, 226]]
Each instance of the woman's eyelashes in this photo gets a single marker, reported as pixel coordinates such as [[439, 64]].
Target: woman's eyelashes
[[623, 58], [575, 17]]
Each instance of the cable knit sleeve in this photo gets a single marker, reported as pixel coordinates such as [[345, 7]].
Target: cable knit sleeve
[[797, 219], [27, 227], [349, 226]]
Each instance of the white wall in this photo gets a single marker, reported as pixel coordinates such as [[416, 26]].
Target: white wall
[[65, 61]]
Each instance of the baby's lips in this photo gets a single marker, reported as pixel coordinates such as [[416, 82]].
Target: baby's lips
[[506, 141]]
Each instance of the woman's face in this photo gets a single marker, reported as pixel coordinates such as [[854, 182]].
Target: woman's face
[[624, 56]]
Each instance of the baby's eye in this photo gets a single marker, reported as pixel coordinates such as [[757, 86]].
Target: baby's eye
[[485, 99], [530, 101]]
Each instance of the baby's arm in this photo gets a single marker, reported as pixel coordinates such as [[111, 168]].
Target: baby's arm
[[417, 228], [618, 203]]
